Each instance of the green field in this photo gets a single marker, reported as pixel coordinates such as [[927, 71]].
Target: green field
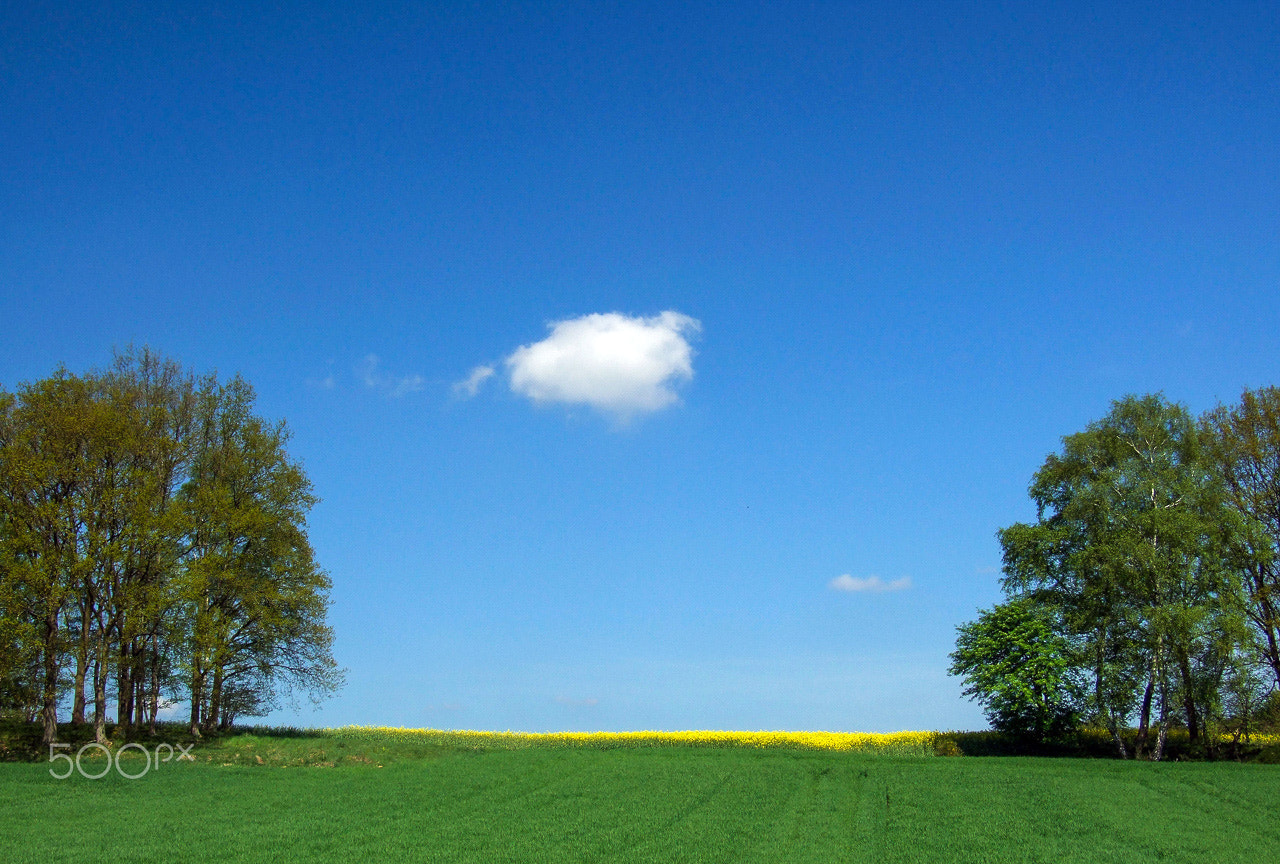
[[658, 804]]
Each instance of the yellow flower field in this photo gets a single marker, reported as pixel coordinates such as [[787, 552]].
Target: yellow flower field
[[888, 743], [919, 743]]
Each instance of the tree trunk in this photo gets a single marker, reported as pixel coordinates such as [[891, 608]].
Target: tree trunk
[[1266, 617], [197, 695], [1272, 652], [215, 700], [100, 670], [1144, 719], [154, 696], [49, 694], [77, 706], [1163, 735], [1188, 701], [126, 681], [1121, 750], [82, 663]]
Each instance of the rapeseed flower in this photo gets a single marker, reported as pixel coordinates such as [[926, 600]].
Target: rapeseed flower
[[887, 743]]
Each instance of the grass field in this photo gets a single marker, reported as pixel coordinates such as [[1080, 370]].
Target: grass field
[[442, 798]]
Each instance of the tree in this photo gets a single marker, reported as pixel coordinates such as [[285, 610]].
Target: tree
[[44, 474], [158, 399], [256, 600], [19, 657], [150, 526], [1246, 446], [1130, 549], [1019, 668]]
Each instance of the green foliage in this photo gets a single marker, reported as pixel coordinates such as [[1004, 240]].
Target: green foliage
[[255, 598], [947, 745], [1245, 443], [1138, 559], [153, 548], [1268, 716], [1016, 665]]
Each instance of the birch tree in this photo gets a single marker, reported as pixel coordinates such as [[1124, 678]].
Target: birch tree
[[1129, 544]]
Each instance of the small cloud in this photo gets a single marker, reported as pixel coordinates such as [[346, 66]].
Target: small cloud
[[987, 571], [868, 584], [376, 379], [471, 385], [618, 364]]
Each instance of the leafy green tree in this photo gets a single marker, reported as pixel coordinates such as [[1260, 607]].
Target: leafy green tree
[[19, 657], [155, 399], [256, 600], [1243, 697], [1016, 664], [150, 526], [44, 474], [1246, 446], [1131, 546]]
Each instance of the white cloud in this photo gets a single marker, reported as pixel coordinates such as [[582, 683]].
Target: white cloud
[[471, 385], [376, 379], [615, 363], [868, 584]]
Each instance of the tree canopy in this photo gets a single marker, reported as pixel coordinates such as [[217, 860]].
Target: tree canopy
[[1153, 558], [153, 550], [1019, 668]]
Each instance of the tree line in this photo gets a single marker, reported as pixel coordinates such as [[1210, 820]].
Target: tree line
[[153, 551], [1147, 592]]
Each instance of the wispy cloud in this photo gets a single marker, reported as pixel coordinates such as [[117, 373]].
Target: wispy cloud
[[868, 584], [471, 385], [375, 378], [618, 364]]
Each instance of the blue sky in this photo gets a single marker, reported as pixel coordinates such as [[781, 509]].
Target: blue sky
[[904, 248]]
